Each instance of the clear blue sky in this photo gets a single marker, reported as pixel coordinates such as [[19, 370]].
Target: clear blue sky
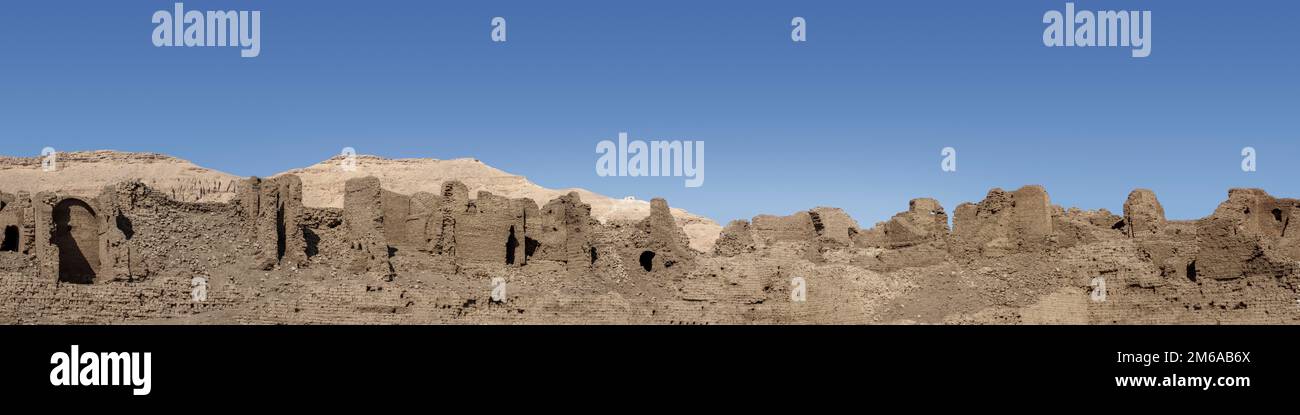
[[854, 118]]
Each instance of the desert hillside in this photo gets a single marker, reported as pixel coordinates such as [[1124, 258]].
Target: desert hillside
[[86, 173]]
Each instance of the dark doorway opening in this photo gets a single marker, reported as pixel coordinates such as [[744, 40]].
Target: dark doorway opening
[[10, 239], [648, 260], [313, 242], [76, 234]]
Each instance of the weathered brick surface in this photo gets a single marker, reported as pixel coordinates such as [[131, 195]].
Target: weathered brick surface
[[389, 258]]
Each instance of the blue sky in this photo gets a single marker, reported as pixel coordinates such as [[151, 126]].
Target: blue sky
[[854, 118]]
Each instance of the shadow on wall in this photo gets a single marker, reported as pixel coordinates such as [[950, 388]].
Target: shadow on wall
[[77, 236], [512, 243]]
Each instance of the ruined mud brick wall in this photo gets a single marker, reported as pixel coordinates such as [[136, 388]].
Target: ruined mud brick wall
[[273, 211], [65, 239], [150, 247], [440, 228], [1140, 291], [1248, 235], [532, 300], [347, 301], [1023, 259], [489, 228], [363, 217], [116, 229], [1173, 253], [325, 236], [610, 240], [18, 224], [1170, 246], [917, 237], [736, 238], [658, 246], [770, 229], [924, 221], [420, 209], [145, 233], [65, 234], [46, 254], [755, 287], [1075, 226], [1221, 269], [127, 255], [27, 299], [493, 229], [819, 231], [130, 254], [563, 231], [397, 209], [283, 232], [833, 226], [811, 232], [1003, 223], [1143, 214], [1128, 279], [14, 215]]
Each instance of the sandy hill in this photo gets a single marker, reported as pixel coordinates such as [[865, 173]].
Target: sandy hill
[[86, 173]]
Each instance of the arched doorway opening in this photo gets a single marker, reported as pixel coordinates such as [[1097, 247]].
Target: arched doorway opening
[[76, 233]]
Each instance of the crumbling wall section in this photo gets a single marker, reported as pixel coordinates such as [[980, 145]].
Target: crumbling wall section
[[144, 234], [924, 221], [563, 231], [273, 208], [658, 246], [811, 233], [736, 238], [770, 229], [397, 210], [1004, 223], [16, 222], [27, 223], [1143, 214], [493, 230], [363, 217], [116, 230], [1247, 235], [422, 208], [833, 227], [326, 238], [47, 254], [440, 228]]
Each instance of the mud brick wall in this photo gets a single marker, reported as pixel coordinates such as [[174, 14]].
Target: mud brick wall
[[25, 299], [130, 254], [363, 217]]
